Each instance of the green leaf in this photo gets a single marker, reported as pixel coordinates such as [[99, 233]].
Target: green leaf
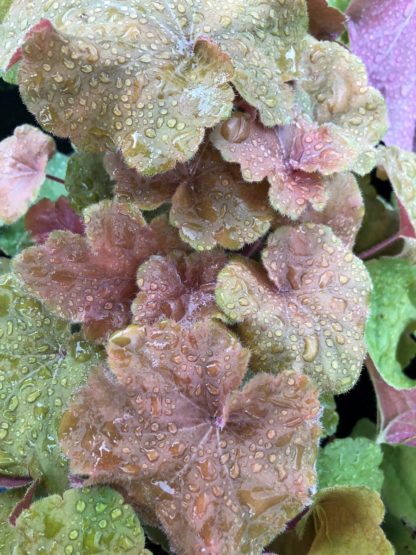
[[350, 462], [399, 488], [392, 317], [42, 365], [4, 8], [57, 167], [84, 521], [330, 417], [340, 5], [86, 180], [364, 428], [14, 238], [401, 535], [8, 500]]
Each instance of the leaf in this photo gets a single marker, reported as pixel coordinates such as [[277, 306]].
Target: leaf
[[14, 238], [325, 22], [350, 462], [8, 500], [383, 34], [150, 80], [343, 212], [341, 521], [23, 159], [87, 521], [396, 409], [56, 167], [46, 216], [400, 167], [4, 8], [392, 315], [330, 416], [306, 309], [221, 469], [179, 287], [92, 279], [400, 534], [86, 180], [42, 365]]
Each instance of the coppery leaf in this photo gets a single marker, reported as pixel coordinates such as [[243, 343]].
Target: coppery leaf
[[178, 286], [325, 22], [306, 309], [92, 279], [221, 470], [46, 216], [23, 160]]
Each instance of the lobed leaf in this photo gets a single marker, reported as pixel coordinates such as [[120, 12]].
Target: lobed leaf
[[87, 521], [221, 469], [46, 216], [23, 159], [392, 317], [42, 365], [92, 279], [306, 309], [149, 79], [342, 521], [179, 287], [383, 34], [350, 462]]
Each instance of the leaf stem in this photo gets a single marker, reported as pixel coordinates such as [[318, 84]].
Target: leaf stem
[[379, 247], [53, 178]]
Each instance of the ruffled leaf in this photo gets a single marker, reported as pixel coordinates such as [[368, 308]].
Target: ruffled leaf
[[92, 279], [42, 365], [343, 212], [383, 34], [23, 160], [148, 80], [86, 180], [178, 287], [87, 521], [306, 309], [221, 469], [350, 462], [340, 522], [392, 318], [46, 216]]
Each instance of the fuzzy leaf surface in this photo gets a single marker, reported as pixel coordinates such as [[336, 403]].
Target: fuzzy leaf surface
[[305, 309], [92, 279], [42, 365], [8, 501], [392, 319], [23, 160], [221, 469]]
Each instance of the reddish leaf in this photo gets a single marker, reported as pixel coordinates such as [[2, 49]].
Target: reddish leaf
[[324, 22], [383, 34], [397, 410], [46, 216], [222, 470], [24, 503], [92, 279], [23, 160], [179, 287]]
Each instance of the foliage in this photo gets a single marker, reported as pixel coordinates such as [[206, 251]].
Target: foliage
[[185, 295]]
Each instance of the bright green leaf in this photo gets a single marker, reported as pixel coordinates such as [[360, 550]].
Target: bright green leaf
[[392, 315], [399, 488], [42, 365], [350, 462], [84, 521], [86, 180], [56, 167], [14, 238], [340, 5]]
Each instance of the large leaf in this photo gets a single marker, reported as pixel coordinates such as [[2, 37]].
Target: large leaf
[[392, 319], [305, 309], [42, 366], [383, 34], [148, 80], [221, 468]]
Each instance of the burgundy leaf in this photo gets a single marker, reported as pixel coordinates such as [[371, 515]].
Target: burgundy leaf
[[46, 216], [24, 503]]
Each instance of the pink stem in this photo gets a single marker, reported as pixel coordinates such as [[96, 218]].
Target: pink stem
[[53, 178], [379, 247]]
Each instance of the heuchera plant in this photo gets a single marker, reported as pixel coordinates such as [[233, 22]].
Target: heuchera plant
[[182, 297]]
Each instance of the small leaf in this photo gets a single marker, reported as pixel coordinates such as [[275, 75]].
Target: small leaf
[[88, 521], [179, 286], [393, 310], [46, 216], [325, 22], [23, 159], [92, 279], [330, 417], [306, 309], [14, 238], [42, 365], [383, 34], [221, 469], [350, 462], [342, 521], [86, 180]]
